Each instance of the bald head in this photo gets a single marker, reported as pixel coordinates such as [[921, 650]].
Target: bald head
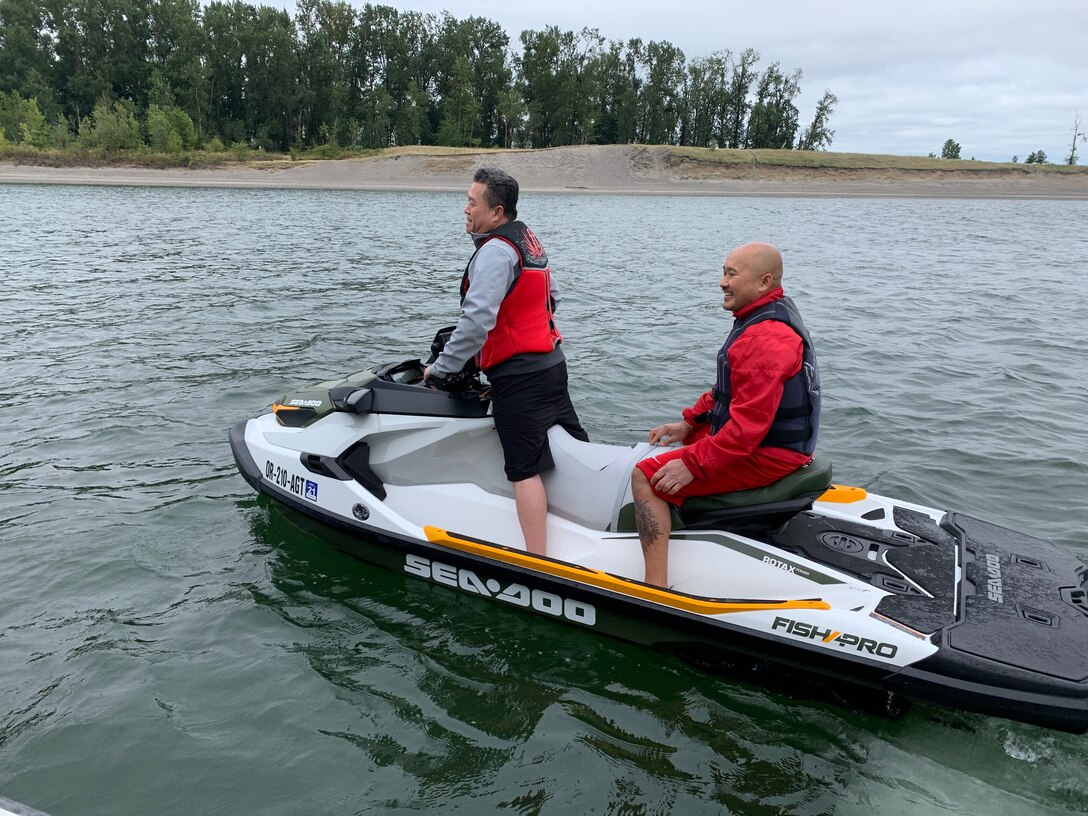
[[750, 271], [763, 259]]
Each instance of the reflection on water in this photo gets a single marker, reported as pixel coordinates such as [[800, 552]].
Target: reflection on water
[[160, 622]]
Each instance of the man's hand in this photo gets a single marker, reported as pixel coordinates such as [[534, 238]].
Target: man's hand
[[670, 433], [427, 376], [673, 476]]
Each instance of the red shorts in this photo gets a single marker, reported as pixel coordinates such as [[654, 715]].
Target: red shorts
[[764, 466]]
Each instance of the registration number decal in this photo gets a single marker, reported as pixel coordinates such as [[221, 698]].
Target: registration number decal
[[291, 482]]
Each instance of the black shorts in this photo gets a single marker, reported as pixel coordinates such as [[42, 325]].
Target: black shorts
[[525, 406]]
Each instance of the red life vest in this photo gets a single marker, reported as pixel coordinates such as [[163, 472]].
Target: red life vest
[[525, 323]]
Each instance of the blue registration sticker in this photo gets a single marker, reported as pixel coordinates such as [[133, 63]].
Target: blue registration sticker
[[311, 490]]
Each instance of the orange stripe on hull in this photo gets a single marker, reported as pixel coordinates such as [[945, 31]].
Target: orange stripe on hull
[[606, 580]]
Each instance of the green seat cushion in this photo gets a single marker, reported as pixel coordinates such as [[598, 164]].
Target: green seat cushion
[[815, 477], [812, 479]]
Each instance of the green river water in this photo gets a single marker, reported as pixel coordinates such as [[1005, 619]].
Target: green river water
[[172, 644]]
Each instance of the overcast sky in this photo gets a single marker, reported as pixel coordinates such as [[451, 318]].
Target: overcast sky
[[1001, 78]]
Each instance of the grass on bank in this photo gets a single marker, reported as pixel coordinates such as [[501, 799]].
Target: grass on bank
[[815, 159], [678, 157], [76, 156]]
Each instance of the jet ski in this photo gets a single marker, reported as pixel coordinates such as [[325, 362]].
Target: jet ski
[[928, 604]]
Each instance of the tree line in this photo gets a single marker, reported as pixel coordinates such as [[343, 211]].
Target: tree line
[[172, 74]]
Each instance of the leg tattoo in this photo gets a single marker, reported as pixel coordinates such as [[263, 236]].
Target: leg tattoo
[[648, 529]]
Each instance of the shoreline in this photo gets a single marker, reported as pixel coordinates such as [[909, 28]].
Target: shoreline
[[587, 169]]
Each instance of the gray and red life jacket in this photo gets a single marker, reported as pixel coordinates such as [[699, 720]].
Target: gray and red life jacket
[[526, 320]]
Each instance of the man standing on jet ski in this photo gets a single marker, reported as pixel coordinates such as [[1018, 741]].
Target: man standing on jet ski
[[759, 422], [507, 322]]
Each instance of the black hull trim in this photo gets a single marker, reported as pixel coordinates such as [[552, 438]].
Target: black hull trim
[[1060, 713], [246, 466]]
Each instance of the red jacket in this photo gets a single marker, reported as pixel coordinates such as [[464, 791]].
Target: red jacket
[[760, 361]]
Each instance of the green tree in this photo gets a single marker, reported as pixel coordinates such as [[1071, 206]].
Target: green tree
[[252, 70], [544, 82], [23, 121], [327, 32], [271, 88], [460, 109], [11, 114], [413, 76], [614, 92], [511, 109], [225, 67], [706, 101], [161, 135], [60, 133], [736, 107], [252, 75], [378, 107], [772, 122], [79, 69], [950, 149], [169, 129], [556, 70], [26, 52], [664, 67], [101, 48], [716, 105], [817, 136], [472, 53], [33, 130], [176, 59], [183, 126], [112, 126], [394, 65], [410, 118]]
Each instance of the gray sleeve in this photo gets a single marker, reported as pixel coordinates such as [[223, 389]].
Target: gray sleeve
[[490, 275]]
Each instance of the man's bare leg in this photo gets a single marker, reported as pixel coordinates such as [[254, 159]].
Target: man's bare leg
[[654, 521], [532, 504]]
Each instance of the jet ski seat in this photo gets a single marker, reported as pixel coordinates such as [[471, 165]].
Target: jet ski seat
[[590, 481], [757, 510]]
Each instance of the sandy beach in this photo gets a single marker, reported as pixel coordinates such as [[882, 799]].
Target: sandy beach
[[611, 169]]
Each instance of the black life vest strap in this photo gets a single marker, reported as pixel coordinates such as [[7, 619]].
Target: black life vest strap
[[780, 438]]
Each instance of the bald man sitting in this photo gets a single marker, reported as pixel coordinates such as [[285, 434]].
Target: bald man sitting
[[759, 422]]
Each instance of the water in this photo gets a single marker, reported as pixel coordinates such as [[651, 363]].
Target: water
[[170, 643]]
